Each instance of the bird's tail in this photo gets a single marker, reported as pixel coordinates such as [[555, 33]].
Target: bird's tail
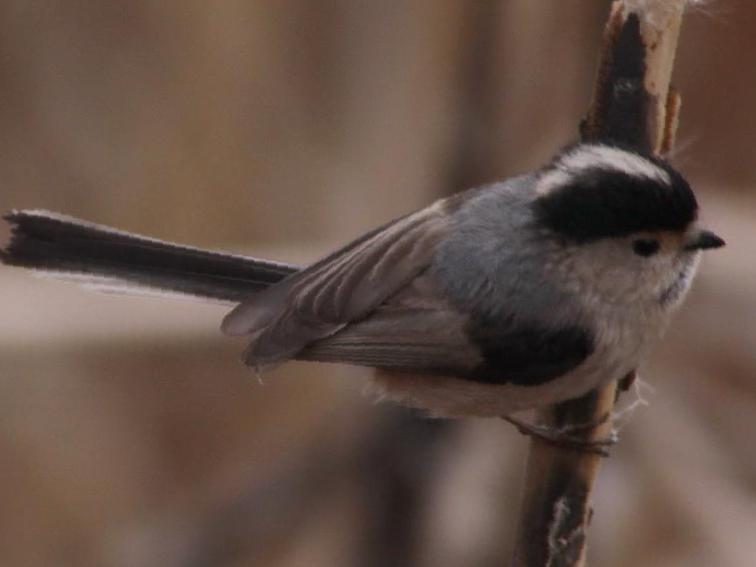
[[113, 260]]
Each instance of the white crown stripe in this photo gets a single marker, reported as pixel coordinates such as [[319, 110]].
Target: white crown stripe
[[594, 156]]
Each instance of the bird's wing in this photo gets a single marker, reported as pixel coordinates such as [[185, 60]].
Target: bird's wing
[[413, 331], [344, 287]]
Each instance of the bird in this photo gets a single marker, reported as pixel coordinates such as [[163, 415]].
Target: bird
[[507, 297]]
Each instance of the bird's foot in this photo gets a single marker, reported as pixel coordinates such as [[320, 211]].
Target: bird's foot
[[569, 437]]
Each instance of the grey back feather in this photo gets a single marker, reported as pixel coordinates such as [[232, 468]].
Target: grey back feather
[[497, 262]]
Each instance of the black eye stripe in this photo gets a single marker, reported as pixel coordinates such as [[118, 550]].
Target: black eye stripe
[[646, 246], [604, 202]]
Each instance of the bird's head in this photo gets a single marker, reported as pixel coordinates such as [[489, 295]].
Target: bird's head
[[628, 223]]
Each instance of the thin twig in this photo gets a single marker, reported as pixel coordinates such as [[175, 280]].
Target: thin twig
[[634, 105]]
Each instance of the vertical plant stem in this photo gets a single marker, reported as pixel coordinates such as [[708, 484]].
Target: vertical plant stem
[[632, 105]]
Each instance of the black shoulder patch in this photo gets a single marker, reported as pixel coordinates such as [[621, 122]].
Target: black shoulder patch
[[604, 203], [526, 355]]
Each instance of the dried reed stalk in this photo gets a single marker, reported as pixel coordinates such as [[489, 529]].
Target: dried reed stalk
[[633, 105]]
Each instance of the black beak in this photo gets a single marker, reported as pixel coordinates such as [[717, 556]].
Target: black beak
[[705, 240]]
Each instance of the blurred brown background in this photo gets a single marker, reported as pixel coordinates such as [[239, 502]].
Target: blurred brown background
[[130, 433]]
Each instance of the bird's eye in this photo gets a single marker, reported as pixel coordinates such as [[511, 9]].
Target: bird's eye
[[645, 247]]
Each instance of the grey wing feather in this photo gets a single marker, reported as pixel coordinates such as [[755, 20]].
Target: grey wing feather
[[343, 288], [405, 339]]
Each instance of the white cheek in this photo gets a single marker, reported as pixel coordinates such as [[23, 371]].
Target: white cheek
[[675, 291]]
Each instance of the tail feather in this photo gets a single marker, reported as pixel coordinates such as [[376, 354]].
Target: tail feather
[[104, 257]]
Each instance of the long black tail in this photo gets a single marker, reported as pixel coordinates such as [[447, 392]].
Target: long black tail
[[107, 258]]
